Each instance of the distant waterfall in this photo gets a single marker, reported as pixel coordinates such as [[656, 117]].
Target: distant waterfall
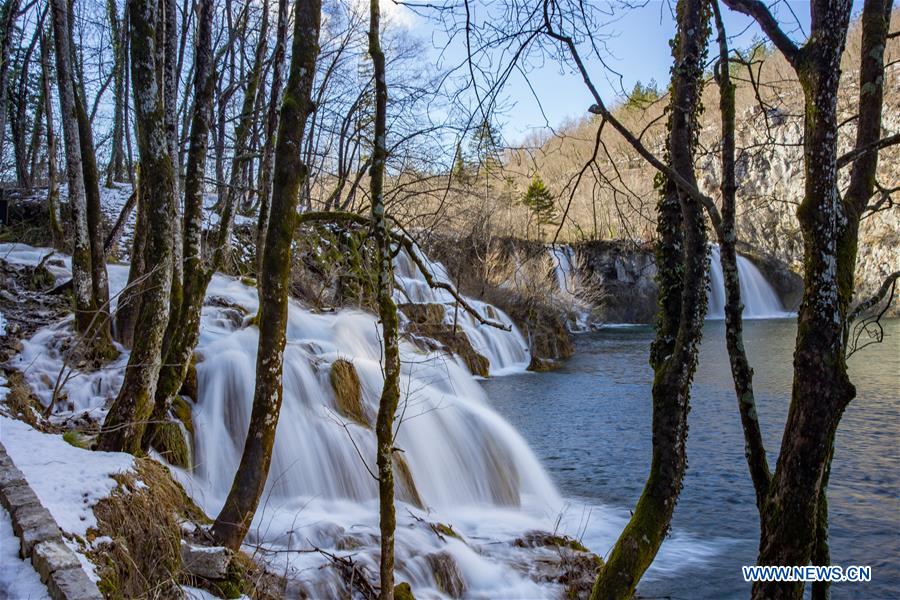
[[759, 299], [507, 351], [566, 273]]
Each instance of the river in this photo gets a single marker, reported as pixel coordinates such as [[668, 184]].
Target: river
[[589, 424]]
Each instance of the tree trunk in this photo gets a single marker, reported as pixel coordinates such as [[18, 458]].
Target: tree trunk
[[52, 183], [741, 372], [116, 168], [124, 425], [183, 330], [233, 522], [81, 250], [239, 158], [99, 278], [8, 16], [682, 276], [265, 168], [387, 312]]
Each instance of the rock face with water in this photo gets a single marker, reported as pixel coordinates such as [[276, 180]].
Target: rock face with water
[[624, 273]]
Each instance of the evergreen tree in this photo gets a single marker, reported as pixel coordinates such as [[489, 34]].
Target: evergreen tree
[[540, 201]]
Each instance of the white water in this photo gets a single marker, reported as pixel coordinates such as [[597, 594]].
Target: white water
[[567, 281], [759, 299], [507, 351], [471, 468]]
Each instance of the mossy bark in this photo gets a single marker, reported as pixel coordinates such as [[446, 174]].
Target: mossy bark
[[741, 372], [183, 330], [124, 426], [237, 513], [81, 244], [387, 312], [682, 277]]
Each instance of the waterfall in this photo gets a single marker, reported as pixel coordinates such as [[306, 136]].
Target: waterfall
[[507, 351], [566, 273], [470, 469], [759, 299]]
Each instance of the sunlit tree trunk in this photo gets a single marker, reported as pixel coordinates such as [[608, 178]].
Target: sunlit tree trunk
[[124, 425], [265, 169], [387, 312], [52, 178], [81, 244], [233, 522], [682, 276]]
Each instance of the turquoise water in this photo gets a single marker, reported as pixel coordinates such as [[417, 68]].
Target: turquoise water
[[590, 425]]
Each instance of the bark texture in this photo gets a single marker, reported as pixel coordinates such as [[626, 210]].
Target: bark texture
[[124, 425], [233, 522], [81, 245], [682, 276]]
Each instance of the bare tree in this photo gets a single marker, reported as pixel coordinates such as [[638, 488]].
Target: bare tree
[[234, 521], [124, 425]]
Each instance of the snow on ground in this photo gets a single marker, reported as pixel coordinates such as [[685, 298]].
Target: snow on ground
[[68, 480], [18, 579]]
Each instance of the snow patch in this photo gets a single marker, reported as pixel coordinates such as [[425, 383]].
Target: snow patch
[[69, 481]]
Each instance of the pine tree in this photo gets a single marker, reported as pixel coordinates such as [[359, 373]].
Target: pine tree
[[540, 201]]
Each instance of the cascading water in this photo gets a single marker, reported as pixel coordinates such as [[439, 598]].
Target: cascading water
[[468, 466], [507, 351], [759, 299], [565, 270]]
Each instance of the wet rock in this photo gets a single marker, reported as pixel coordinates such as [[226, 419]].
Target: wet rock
[[404, 483], [446, 573], [561, 560], [348, 392], [426, 326]]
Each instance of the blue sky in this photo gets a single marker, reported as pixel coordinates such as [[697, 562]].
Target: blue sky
[[638, 45]]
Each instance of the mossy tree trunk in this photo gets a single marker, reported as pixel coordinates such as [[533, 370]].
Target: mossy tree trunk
[[387, 312], [82, 284], [741, 372], [232, 523], [794, 512], [124, 425], [682, 276], [265, 168], [183, 329]]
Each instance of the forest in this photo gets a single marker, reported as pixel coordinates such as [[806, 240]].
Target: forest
[[399, 299]]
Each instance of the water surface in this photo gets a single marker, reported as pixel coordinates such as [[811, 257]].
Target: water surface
[[590, 425]]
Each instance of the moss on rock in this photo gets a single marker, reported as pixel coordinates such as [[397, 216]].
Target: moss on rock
[[404, 482], [348, 392], [170, 441], [403, 591]]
